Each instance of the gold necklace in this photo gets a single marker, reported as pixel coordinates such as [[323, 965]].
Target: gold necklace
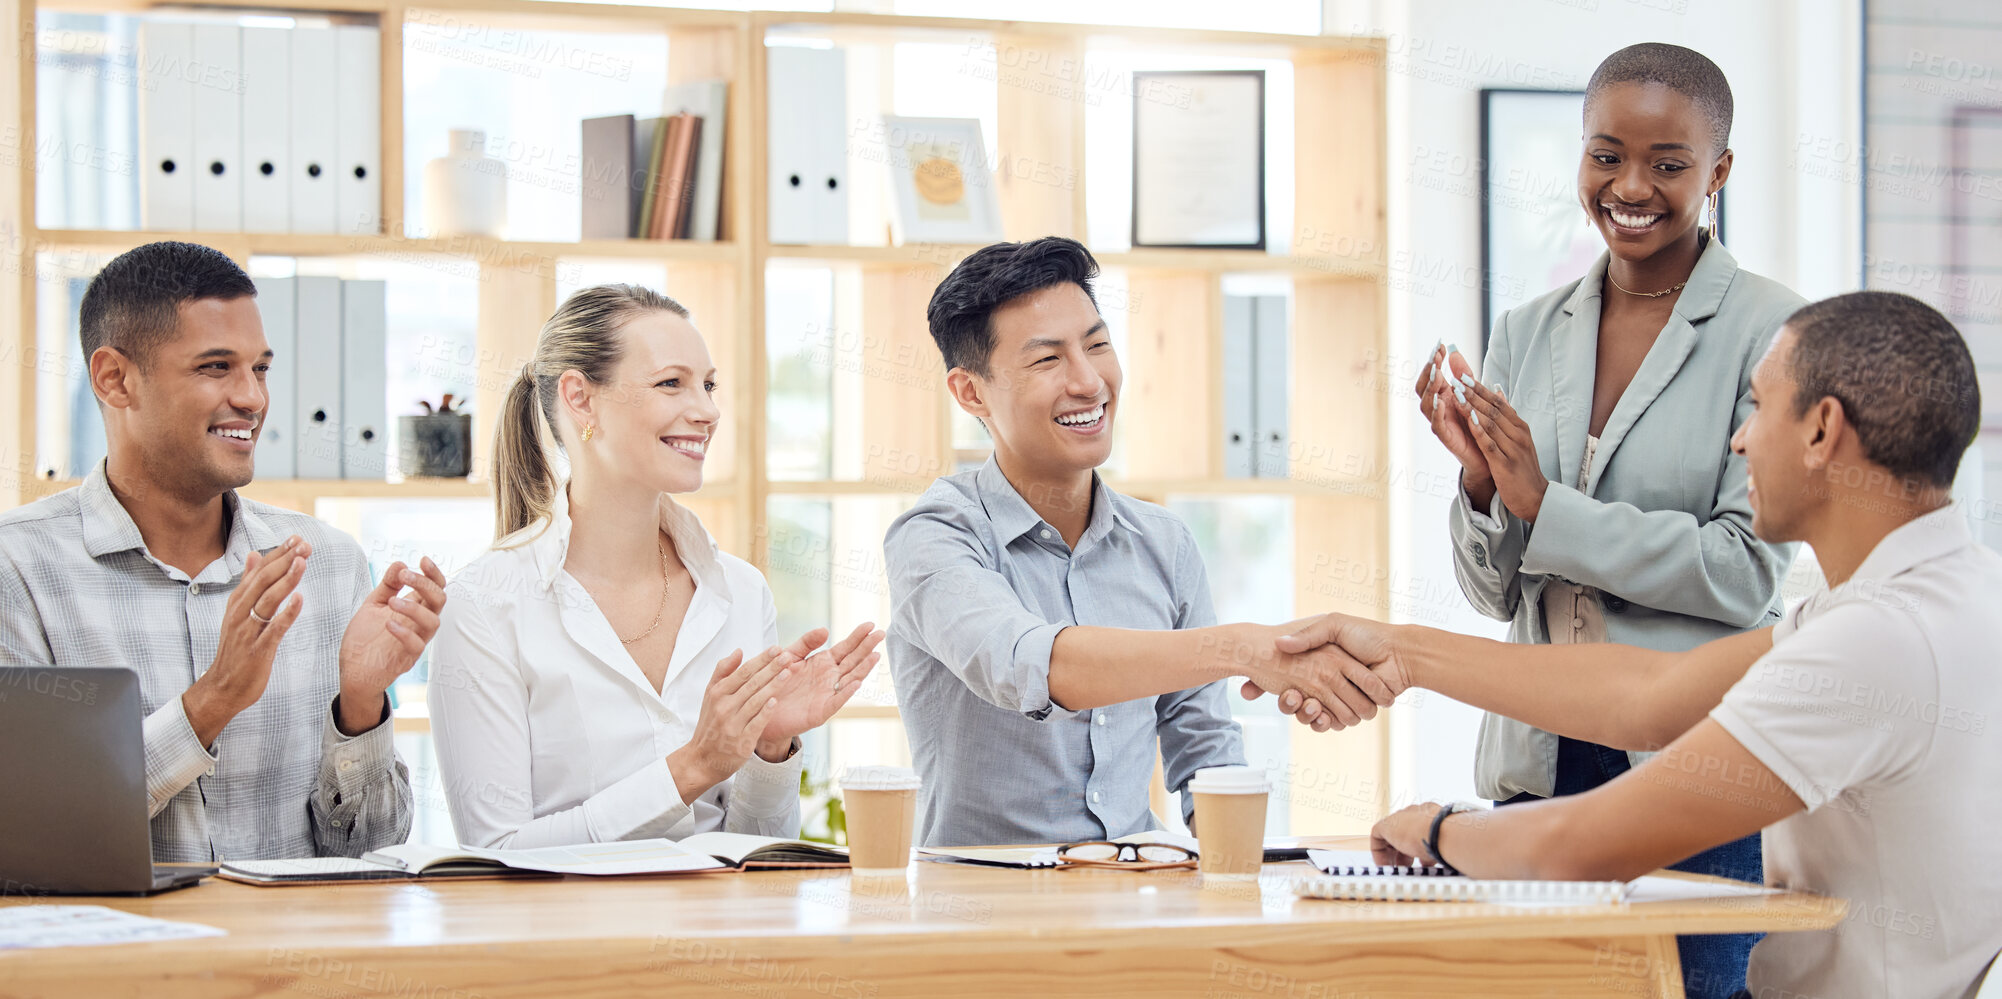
[[1646, 294], [662, 610]]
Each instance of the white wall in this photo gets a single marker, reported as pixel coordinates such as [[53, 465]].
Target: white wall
[[1794, 67]]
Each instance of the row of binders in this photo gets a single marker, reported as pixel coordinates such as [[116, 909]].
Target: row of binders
[[658, 178], [260, 129], [1255, 375], [328, 413]]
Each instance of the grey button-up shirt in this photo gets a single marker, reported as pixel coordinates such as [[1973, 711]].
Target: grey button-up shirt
[[980, 586], [78, 588]]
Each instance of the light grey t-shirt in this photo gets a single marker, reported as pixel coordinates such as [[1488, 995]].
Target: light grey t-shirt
[[1879, 706]]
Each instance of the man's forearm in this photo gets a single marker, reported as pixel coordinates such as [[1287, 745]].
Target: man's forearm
[[1615, 695], [1092, 667]]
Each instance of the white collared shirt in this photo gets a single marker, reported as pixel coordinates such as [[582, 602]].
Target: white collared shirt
[[1880, 706], [548, 733]]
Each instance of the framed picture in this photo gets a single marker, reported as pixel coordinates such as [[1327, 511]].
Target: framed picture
[[1534, 234], [943, 183], [1199, 159]]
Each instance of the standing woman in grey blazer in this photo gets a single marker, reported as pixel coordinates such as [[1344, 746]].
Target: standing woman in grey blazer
[[1600, 500]]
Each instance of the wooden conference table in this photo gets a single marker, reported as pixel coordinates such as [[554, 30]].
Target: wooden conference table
[[947, 930]]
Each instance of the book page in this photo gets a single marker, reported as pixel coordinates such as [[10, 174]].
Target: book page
[[640, 856], [737, 846], [309, 867]]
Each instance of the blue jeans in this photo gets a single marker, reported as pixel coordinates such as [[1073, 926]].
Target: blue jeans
[[1713, 964]]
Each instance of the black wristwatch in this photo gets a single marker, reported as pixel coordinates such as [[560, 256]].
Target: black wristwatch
[[1432, 837]]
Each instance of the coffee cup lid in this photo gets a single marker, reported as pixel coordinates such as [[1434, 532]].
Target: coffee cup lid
[[1230, 780], [880, 779]]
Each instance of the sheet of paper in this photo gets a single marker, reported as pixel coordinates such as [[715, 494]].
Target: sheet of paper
[[24, 926], [1655, 888], [308, 867], [646, 856]]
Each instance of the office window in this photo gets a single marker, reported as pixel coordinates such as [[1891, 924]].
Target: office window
[[1931, 174], [1247, 548], [805, 354]]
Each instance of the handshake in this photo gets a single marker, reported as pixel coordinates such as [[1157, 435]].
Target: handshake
[[1329, 672]]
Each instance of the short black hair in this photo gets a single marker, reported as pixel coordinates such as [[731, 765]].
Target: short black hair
[[961, 312], [133, 304], [1685, 71], [1902, 373]]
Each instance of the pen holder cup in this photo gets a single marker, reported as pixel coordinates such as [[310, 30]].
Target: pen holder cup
[[438, 445]]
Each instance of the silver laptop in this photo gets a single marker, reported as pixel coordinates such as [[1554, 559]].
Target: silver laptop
[[73, 786]]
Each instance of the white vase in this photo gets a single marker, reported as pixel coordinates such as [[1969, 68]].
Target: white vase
[[465, 190]]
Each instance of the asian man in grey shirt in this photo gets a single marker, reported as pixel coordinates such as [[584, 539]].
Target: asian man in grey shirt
[[1046, 630]]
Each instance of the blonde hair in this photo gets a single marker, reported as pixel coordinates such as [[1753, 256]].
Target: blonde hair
[[583, 336]]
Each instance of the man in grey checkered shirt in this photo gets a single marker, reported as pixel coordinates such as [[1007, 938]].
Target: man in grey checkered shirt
[[263, 651]]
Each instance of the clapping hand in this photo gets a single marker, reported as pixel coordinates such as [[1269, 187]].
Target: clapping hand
[[1506, 444], [384, 639], [1437, 403], [820, 683], [736, 708]]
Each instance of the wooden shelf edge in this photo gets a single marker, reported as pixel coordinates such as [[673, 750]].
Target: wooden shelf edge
[[945, 255], [477, 248], [415, 718], [289, 492], [1327, 486], [554, 14], [1124, 33]]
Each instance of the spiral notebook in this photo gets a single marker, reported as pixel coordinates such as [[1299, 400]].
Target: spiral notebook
[[1354, 875]]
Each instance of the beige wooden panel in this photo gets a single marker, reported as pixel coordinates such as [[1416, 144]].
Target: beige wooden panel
[[390, 213], [701, 54], [719, 512], [1168, 406], [1341, 389], [1338, 782], [514, 301], [17, 258], [905, 432], [1040, 132], [1338, 122]]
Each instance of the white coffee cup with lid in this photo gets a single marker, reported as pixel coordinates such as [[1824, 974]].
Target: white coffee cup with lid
[[1230, 821], [882, 807]]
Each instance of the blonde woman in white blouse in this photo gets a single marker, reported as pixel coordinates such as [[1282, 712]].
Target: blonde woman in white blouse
[[606, 672]]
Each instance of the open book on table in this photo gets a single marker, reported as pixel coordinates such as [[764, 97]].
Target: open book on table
[[713, 851]]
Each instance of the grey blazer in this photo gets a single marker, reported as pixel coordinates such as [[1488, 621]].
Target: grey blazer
[[1662, 527]]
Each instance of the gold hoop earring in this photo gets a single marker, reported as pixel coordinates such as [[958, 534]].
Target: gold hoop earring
[[588, 431]]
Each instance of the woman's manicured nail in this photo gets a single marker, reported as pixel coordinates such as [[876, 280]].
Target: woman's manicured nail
[[1476, 414], [1467, 380], [1452, 348], [1429, 369], [1460, 394]]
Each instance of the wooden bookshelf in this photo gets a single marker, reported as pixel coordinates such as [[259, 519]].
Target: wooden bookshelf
[[1174, 346]]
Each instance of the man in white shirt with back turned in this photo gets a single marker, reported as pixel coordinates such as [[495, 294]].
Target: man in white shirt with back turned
[[1863, 733]]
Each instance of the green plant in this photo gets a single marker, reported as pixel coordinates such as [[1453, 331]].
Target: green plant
[[822, 819]]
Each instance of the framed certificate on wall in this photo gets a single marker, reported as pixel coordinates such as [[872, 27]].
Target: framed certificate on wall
[[1199, 159]]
